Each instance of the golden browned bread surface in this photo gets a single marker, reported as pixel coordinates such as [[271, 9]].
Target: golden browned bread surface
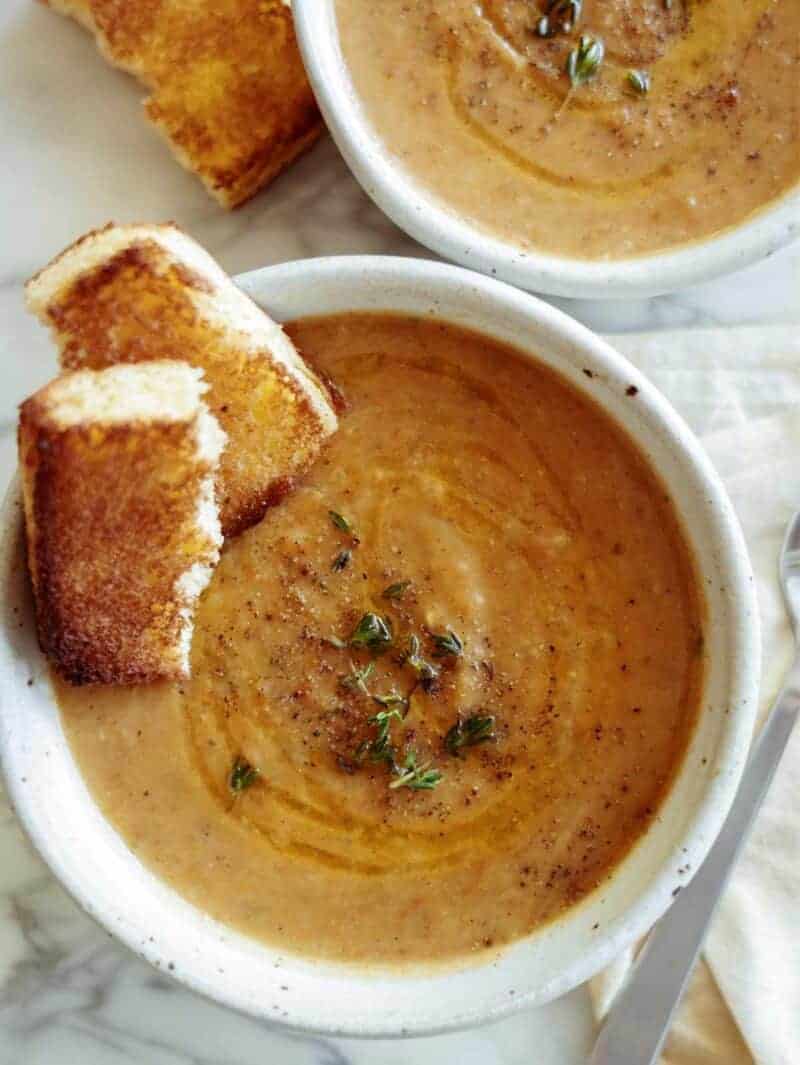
[[229, 91], [122, 527], [133, 293]]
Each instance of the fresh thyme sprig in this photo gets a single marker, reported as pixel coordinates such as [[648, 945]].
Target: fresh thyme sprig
[[397, 590], [357, 678], [373, 632], [242, 775], [426, 671], [639, 81], [380, 747], [584, 61], [448, 645], [467, 732], [414, 776]]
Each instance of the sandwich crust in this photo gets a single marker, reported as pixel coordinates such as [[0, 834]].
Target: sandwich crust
[[135, 293], [121, 523], [228, 88]]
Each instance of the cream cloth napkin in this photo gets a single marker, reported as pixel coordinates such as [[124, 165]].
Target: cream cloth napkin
[[739, 389]]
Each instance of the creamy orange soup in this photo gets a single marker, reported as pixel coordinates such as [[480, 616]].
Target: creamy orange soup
[[686, 124], [537, 652]]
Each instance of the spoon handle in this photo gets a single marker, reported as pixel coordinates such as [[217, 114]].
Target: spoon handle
[[639, 1020]]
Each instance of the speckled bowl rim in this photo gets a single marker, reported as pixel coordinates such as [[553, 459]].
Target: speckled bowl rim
[[95, 866], [427, 219]]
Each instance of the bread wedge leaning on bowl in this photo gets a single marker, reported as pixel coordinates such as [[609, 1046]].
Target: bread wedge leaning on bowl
[[139, 292], [122, 526], [229, 92]]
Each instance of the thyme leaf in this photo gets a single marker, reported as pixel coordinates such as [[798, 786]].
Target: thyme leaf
[[373, 632], [357, 678], [384, 718], [397, 590], [341, 523], [639, 81], [242, 774], [583, 62], [564, 12], [414, 776], [342, 560], [467, 732], [543, 28], [448, 645], [393, 700], [560, 16], [427, 672]]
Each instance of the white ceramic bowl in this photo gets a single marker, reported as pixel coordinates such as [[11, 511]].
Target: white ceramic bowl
[[94, 864], [426, 218]]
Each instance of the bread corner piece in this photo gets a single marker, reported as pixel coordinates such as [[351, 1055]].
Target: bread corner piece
[[228, 88], [142, 292], [122, 526]]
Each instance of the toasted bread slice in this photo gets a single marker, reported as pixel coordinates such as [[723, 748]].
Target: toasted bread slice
[[123, 530], [229, 91], [129, 293]]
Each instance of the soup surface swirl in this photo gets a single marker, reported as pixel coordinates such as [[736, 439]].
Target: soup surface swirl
[[475, 496], [479, 108]]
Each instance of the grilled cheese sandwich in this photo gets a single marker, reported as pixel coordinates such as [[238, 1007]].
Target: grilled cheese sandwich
[[228, 88], [122, 525], [137, 293]]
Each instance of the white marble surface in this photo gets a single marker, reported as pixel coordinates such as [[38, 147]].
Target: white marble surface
[[75, 153]]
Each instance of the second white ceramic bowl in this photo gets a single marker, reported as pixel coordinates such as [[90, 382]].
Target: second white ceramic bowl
[[428, 220], [95, 865]]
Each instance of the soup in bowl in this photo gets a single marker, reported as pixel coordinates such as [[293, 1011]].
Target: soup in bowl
[[582, 149], [466, 707]]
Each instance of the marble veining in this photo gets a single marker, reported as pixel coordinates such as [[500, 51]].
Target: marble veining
[[75, 154]]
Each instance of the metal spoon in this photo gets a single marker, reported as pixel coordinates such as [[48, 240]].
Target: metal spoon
[[640, 1018]]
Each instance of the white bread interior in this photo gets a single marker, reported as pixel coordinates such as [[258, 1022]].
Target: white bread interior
[[137, 401]]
